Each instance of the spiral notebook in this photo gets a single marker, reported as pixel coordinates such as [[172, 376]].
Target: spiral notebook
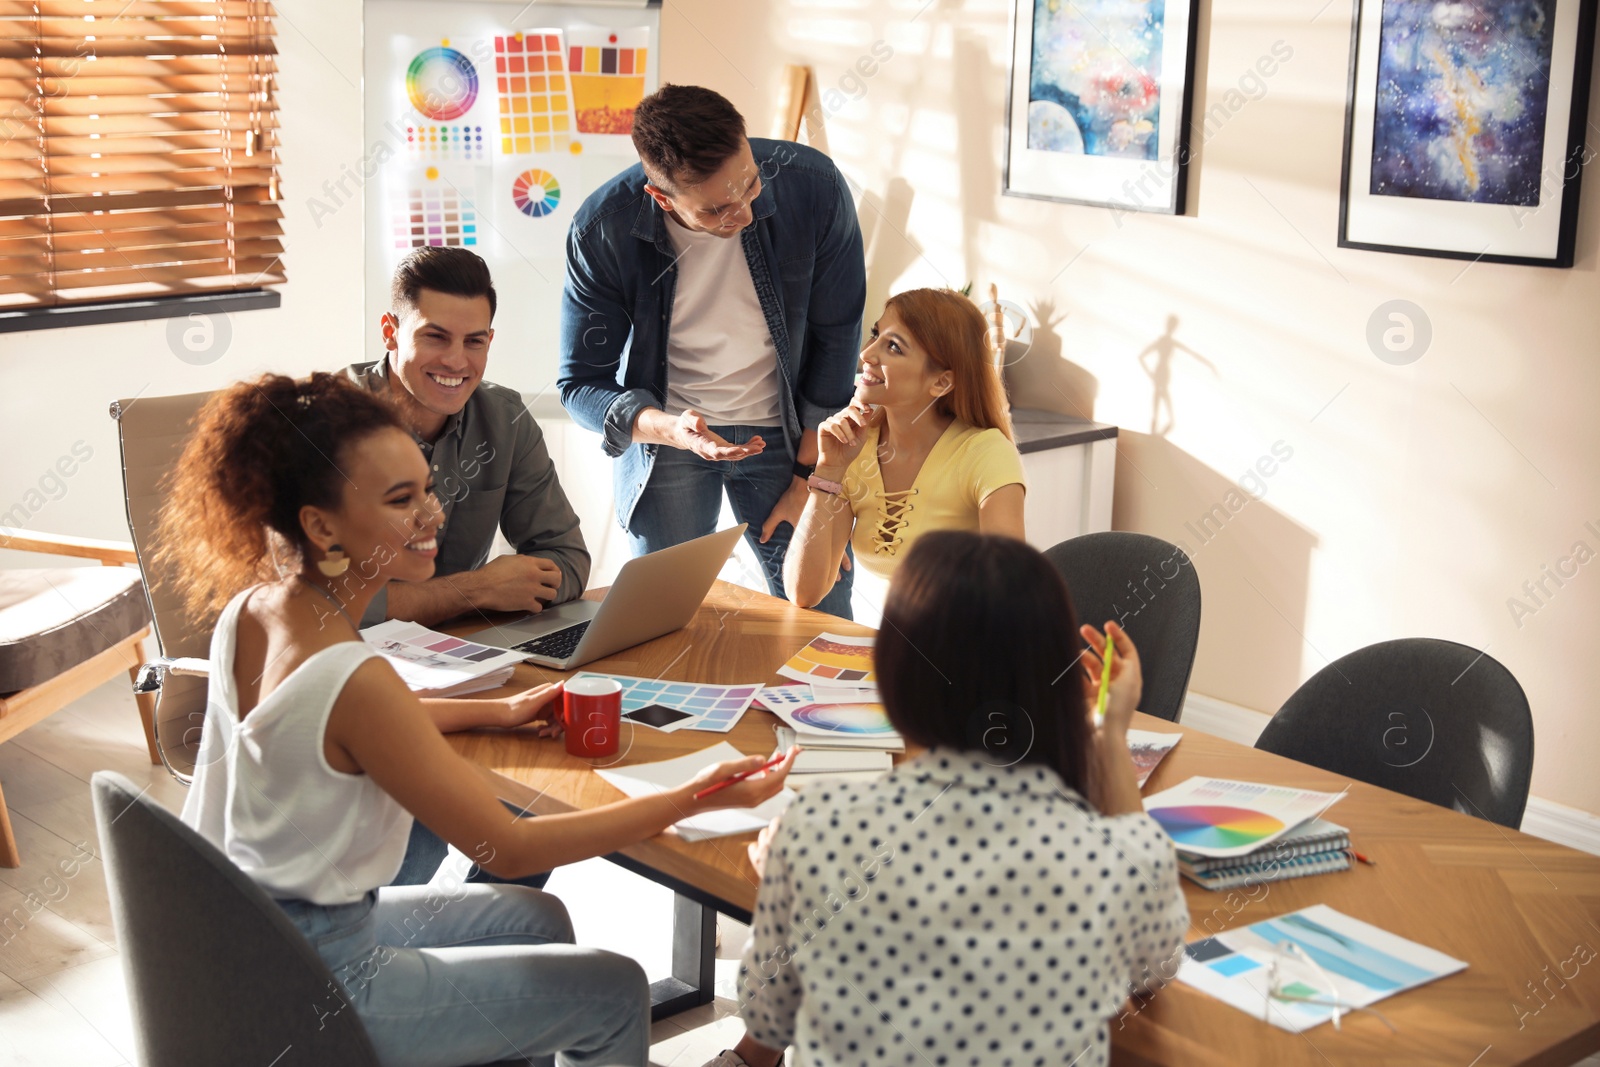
[[1308, 839]]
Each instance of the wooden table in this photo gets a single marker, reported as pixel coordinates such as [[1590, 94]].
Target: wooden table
[[1522, 912]]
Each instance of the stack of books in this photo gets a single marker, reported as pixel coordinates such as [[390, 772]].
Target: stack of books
[[1316, 846]]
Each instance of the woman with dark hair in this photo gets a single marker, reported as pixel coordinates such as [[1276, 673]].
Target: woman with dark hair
[[924, 445], [1001, 892], [292, 506]]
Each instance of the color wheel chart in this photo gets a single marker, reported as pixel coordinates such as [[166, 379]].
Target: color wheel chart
[[442, 83], [462, 143], [1215, 826], [434, 213], [861, 720], [536, 193], [535, 99], [718, 707]]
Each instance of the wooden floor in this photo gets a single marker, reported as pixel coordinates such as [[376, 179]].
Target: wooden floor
[[62, 999]]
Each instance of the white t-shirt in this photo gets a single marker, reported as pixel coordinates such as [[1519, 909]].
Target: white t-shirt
[[265, 794], [720, 357]]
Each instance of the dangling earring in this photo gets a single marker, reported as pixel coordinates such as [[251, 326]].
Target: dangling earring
[[335, 562]]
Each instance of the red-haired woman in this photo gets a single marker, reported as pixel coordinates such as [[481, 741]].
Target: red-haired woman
[[924, 445], [293, 504]]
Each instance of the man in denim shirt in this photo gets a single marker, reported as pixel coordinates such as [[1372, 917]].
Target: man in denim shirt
[[711, 319]]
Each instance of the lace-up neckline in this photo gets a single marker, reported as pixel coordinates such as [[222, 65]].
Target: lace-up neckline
[[897, 506]]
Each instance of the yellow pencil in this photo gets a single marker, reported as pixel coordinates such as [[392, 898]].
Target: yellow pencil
[[1105, 680]]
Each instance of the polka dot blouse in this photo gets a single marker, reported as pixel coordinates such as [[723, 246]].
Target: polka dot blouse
[[955, 912]]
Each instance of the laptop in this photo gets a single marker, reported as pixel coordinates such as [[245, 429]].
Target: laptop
[[654, 594]]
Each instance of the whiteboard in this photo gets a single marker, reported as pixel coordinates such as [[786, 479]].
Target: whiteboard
[[486, 126]]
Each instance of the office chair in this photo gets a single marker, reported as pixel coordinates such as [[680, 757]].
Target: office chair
[[152, 432], [1435, 720], [1150, 588]]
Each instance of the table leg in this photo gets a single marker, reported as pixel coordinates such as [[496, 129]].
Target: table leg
[[694, 955]]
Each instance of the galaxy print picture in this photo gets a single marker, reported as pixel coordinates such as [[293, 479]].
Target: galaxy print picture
[[1464, 129], [1098, 111]]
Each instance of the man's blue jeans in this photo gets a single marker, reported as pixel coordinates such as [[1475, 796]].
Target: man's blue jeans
[[684, 496]]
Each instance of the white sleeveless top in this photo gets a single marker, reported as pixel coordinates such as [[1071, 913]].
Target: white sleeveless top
[[265, 794]]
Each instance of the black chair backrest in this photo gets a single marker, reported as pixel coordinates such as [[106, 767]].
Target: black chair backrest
[[1149, 587], [216, 972], [1435, 720]]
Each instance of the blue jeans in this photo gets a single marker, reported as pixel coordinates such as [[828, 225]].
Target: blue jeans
[[453, 973], [683, 497], [426, 850]]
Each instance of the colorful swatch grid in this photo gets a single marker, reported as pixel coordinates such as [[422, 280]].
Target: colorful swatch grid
[[439, 141], [434, 213], [718, 708], [455, 648], [832, 658], [608, 76], [535, 99]]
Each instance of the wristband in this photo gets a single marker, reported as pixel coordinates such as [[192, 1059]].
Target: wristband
[[802, 470], [822, 484]]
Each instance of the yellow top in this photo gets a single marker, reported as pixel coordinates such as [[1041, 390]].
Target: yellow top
[[964, 467]]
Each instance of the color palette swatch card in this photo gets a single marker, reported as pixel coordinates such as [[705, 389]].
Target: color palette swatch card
[[830, 659], [1309, 967], [438, 665], [1148, 749], [1219, 817], [859, 725], [712, 708]]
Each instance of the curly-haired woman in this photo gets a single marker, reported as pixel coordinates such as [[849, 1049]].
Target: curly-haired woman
[[294, 502]]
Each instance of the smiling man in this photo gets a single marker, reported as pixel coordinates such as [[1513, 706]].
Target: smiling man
[[490, 466], [710, 322]]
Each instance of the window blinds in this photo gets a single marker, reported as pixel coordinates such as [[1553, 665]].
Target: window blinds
[[138, 150]]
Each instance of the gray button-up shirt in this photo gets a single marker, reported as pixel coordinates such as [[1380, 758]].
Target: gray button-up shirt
[[491, 469]]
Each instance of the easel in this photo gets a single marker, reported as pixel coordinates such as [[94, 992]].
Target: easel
[[792, 98]]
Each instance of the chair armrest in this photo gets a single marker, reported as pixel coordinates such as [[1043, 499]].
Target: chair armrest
[[111, 553]]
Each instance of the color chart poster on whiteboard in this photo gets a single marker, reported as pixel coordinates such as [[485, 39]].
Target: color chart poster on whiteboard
[[487, 126]]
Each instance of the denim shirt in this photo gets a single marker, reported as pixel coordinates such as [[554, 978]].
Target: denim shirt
[[804, 251]]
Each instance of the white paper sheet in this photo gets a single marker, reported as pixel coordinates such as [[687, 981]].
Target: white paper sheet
[[649, 779]]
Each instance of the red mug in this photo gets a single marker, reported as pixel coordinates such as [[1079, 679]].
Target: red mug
[[592, 710]]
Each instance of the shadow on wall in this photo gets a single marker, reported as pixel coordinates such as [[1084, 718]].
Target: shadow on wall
[[1228, 529], [1045, 379], [889, 252], [1156, 362]]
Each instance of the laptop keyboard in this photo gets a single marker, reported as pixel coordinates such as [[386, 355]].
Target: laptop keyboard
[[558, 645]]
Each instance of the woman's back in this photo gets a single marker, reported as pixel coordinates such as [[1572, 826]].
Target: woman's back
[[987, 911], [265, 794]]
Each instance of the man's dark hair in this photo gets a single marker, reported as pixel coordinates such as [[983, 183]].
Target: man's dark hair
[[684, 134], [444, 269]]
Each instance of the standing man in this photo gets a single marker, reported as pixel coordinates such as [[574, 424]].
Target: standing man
[[711, 320], [491, 469]]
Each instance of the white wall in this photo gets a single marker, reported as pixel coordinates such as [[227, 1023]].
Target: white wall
[[1418, 499], [58, 384]]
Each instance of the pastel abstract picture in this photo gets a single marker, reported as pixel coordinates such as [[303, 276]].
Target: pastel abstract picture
[[1094, 85], [1462, 94]]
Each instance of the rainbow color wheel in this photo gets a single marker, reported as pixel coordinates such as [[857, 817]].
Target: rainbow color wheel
[[867, 720], [536, 193], [442, 83], [1214, 826]]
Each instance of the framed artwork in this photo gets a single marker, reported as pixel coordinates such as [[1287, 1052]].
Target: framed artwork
[[1464, 131], [1098, 106]]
